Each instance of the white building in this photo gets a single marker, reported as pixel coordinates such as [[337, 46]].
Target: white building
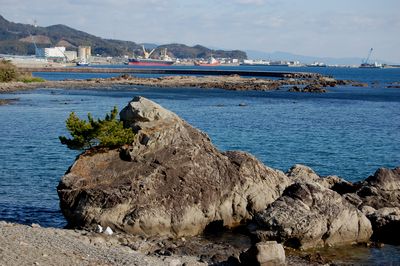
[[51, 53]]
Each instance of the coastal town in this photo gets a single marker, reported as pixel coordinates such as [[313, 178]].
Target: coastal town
[[60, 56]]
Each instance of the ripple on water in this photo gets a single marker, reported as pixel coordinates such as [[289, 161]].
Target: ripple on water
[[346, 132]]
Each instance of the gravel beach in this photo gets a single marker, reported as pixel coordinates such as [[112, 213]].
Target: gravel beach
[[34, 245]]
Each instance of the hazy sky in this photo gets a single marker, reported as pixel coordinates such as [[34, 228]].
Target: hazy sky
[[336, 28]]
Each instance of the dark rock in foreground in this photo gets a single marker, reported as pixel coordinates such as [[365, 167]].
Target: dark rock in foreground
[[171, 181], [386, 225]]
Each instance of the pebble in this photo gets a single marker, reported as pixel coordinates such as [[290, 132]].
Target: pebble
[[175, 262], [99, 229], [108, 231]]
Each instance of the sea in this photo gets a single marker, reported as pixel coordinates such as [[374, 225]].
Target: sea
[[349, 132]]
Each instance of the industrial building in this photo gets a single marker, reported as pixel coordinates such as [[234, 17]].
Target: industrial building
[[84, 52], [52, 53], [59, 54]]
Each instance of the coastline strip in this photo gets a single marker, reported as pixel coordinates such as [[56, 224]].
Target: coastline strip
[[205, 72]]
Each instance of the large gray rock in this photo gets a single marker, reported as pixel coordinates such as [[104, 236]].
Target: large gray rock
[[379, 190], [170, 181], [309, 215]]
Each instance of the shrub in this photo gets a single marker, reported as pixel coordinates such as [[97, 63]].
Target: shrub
[[27, 78], [8, 72], [109, 132]]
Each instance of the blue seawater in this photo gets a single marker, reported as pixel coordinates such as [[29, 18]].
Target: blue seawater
[[348, 132]]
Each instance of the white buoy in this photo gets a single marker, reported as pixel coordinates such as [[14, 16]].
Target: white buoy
[[108, 231], [99, 229]]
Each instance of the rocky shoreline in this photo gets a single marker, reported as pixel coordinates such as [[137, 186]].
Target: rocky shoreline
[[35, 245], [172, 198], [171, 184], [312, 83]]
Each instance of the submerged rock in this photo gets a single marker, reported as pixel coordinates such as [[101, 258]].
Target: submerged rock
[[309, 215], [313, 87], [170, 181]]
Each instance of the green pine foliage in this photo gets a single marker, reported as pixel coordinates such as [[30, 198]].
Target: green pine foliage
[[108, 132]]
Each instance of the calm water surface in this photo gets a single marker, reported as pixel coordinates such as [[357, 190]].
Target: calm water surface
[[349, 132]]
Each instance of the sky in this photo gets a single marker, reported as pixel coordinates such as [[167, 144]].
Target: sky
[[323, 28]]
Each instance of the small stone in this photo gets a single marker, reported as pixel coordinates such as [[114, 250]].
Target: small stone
[[35, 225], [175, 262], [264, 253], [108, 231], [99, 229]]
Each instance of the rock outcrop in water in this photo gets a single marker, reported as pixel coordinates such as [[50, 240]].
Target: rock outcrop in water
[[309, 215], [171, 181], [379, 198], [379, 190]]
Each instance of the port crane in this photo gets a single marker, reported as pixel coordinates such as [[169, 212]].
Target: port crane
[[147, 54], [368, 57], [32, 38]]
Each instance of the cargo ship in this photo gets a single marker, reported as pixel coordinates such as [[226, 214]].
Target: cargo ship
[[164, 60], [211, 62]]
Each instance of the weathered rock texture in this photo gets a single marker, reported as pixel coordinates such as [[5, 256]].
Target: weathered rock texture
[[301, 173], [171, 181], [379, 190], [309, 215]]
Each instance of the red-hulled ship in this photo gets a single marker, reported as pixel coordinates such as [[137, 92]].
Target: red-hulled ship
[[164, 60]]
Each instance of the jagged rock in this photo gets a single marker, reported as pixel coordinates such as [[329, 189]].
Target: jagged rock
[[313, 87], [263, 254], [301, 173], [386, 225], [170, 181], [379, 190], [308, 215]]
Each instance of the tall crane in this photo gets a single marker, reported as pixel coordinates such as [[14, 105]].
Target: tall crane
[[147, 54], [32, 37], [369, 55]]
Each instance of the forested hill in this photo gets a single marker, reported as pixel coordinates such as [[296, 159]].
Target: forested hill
[[19, 39]]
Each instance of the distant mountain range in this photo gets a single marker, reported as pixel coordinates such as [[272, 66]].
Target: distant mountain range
[[20, 39], [308, 59]]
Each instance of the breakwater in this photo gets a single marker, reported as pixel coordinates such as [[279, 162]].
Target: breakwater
[[168, 71]]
